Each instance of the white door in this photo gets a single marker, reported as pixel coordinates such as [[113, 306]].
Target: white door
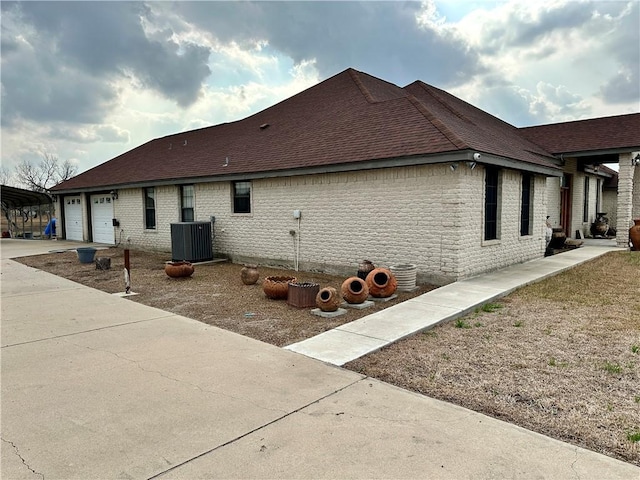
[[102, 219], [73, 218]]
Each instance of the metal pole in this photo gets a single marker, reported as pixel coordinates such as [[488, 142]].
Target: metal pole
[[127, 272]]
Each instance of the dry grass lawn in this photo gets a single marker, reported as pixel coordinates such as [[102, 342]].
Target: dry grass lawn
[[561, 357]]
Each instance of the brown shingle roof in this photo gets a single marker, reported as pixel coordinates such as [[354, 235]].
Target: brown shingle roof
[[349, 118], [596, 134]]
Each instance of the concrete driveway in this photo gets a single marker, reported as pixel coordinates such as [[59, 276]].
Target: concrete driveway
[[98, 386]]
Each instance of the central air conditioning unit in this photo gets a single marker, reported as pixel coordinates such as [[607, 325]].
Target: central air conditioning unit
[[191, 241]]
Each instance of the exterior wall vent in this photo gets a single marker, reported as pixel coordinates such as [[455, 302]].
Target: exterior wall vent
[[191, 241]]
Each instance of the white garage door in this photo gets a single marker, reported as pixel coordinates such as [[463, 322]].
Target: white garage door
[[73, 218], [102, 219]]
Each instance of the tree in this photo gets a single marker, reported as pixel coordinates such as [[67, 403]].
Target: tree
[[6, 177], [49, 172]]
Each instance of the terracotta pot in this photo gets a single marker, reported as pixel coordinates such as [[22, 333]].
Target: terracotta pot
[[634, 234], [364, 268], [328, 299], [381, 282], [354, 290], [178, 269], [249, 274], [277, 288]]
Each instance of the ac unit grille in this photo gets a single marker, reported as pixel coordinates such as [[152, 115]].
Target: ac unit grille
[[191, 241]]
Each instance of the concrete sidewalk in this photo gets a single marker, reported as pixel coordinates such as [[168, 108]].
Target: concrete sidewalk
[[97, 386], [368, 334]]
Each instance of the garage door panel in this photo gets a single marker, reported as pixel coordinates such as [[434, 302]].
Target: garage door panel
[[73, 218], [101, 219]]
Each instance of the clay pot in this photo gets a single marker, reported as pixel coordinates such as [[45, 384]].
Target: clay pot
[[354, 290], [328, 299], [249, 274], [634, 234], [277, 288], [381, 282], [558, 238], [364, 268], [178, 269]]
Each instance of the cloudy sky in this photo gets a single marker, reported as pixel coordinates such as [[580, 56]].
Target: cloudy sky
[[87, 81]]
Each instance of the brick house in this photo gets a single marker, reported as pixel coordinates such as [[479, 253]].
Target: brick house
[[394, 175]]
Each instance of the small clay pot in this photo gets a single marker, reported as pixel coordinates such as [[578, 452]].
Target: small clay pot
[[364, 268], [277, 288], [354, 290], [634, 234], [178, 269], [381, 282], [249, 274], [328, 299]]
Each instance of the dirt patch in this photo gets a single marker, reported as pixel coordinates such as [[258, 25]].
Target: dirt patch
[[561, 357], [214, 294]]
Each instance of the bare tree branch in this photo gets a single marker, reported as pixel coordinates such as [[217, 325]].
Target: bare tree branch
[[46, 174], [6, 177]]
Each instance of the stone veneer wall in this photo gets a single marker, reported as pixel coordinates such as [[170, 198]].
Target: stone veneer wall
[[427, 215]]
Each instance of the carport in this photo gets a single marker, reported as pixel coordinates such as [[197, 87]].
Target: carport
[[25, 213]]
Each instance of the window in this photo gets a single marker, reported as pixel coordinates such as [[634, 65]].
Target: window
[[585, 209], [491, 197], [525, 205], [150, 208], [241, 197], [186, 203], [598, 190]]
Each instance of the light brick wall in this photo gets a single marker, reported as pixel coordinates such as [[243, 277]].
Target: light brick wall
[[427, 215], [610, 206], [553, 200]]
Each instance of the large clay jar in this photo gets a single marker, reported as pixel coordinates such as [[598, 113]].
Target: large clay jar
[[558, 238], [381, 282], [364, 268], [178, 269], [328, 299], [277, 288], [634, 234], [249, 274], [354, 290]]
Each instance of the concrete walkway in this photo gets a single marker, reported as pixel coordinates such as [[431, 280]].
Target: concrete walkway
[[97, 386], [368, 334]]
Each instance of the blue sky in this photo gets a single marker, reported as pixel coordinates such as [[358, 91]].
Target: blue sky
[[87, 81]]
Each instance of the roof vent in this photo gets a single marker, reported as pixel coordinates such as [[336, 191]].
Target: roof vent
[[184, 144], [264, 126]]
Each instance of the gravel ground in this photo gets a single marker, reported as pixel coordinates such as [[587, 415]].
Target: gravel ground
[[561, 357]]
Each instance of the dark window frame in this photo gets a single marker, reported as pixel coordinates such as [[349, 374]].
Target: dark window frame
[[187, 203], [585, 206], [149, 208], [491, 204], [241, 196], [526, 205]]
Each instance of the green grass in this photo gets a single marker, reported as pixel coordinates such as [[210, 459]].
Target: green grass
[[634, 436], [635, 348], [518, 323], [460, 323], [612, 367], [491, 307], [636, 399], [478, 324]]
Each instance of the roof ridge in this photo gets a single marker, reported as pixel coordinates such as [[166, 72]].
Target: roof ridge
[[358, 81], [446, 131]]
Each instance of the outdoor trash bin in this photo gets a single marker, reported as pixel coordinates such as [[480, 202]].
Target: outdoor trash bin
[[86, 254]]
